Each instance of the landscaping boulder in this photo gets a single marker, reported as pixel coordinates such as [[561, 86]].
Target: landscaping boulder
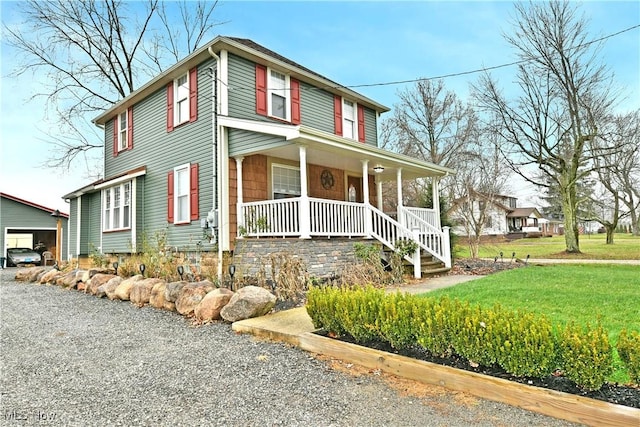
[[248, 302], [69, 280], [172, 291], [191, 295], [108, 288], [88, 274], [157, 298], [50, 276], [141, 291], [96, 281], [29, 274], [210, 306], [124, 288]]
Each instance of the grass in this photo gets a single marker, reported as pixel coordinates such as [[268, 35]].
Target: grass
[[593, 246], [585, 294]]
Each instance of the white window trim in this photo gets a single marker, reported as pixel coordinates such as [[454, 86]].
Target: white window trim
[[287, 95], [355, 119], [187, 167], [123, 139], [121, 218], [281, 166], [176, 110]]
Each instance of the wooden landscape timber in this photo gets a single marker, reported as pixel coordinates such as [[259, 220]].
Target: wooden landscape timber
[[553, 403]]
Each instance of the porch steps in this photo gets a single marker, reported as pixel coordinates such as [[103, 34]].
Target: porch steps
[[429, 266]]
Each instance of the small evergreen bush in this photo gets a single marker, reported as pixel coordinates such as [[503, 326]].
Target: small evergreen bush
[[586, 355], [629, 352]]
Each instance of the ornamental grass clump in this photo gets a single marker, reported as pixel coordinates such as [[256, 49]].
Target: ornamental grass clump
[[629, 351]]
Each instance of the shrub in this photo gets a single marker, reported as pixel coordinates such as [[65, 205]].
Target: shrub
[[433, 326], [629, 352], [586, 356], [395, 320]]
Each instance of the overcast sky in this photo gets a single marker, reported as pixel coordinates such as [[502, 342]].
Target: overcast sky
[[353, 43]]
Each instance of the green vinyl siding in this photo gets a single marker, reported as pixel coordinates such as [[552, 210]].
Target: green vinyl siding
[[316, 108], [242, 89], [160, 152], [245, 142], [370, 127], [73, 227]]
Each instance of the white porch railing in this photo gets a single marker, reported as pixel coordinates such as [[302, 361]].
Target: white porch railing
[[281, 218], [430, 216], [270, 218], [336, 218]]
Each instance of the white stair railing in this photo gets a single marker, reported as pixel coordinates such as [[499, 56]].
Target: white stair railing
[[430, 237]]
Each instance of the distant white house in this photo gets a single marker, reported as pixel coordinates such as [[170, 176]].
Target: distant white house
[[502, 217]]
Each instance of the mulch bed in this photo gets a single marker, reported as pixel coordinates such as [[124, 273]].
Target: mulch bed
[[612, 393]]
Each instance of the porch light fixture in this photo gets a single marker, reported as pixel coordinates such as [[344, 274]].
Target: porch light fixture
[[378, 169]]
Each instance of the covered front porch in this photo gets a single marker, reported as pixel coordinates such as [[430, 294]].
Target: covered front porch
[[317, 185]]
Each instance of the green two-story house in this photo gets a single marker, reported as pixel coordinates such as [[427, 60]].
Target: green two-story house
[[238, 142]]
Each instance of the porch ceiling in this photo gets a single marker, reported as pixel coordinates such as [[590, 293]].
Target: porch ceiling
[[329, 150]]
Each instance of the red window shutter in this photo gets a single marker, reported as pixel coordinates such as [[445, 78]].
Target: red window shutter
[[115, 136], [130, 128], [193, 192], [170, 107], [295, 101], [337, 114], [261, 90], [360, 123], [193, 94], [170, 197]]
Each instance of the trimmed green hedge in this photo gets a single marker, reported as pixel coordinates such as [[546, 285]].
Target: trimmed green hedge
[[522, 343]]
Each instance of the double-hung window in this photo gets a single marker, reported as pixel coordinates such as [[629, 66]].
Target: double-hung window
[[182, 99], [117, 207], [181, 110], [279, 102], [277, 95], [182, 194], [349, 120], [285, 181], [123, 130]]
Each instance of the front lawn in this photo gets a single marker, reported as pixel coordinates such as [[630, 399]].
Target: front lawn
[[593, 246], [582, 293]]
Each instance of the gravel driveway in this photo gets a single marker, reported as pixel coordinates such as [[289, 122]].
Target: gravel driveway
[[70, 358]]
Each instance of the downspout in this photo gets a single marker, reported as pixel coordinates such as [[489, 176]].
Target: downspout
[[213, 217]]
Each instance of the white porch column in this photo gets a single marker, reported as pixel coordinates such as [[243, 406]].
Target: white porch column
[[239, 196], [399, 191], [305, 211], [435, 196], [379, 193], [368, 227]]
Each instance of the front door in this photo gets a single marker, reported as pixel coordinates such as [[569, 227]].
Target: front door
[[354, 189]]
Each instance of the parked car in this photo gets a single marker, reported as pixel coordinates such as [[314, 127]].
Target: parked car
[[16, 256]]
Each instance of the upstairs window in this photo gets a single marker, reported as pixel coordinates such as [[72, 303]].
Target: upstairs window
[[285, 181], [182, 100], [117, 207], [181, 111], [348, 119], [123, 131], [277, 95]]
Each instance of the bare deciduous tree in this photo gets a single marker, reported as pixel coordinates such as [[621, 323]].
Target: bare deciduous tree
[[87, 55], [565, 98], [617, 157], [481, 178]]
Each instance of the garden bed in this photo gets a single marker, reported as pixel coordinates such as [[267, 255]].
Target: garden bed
[[584, 408]]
